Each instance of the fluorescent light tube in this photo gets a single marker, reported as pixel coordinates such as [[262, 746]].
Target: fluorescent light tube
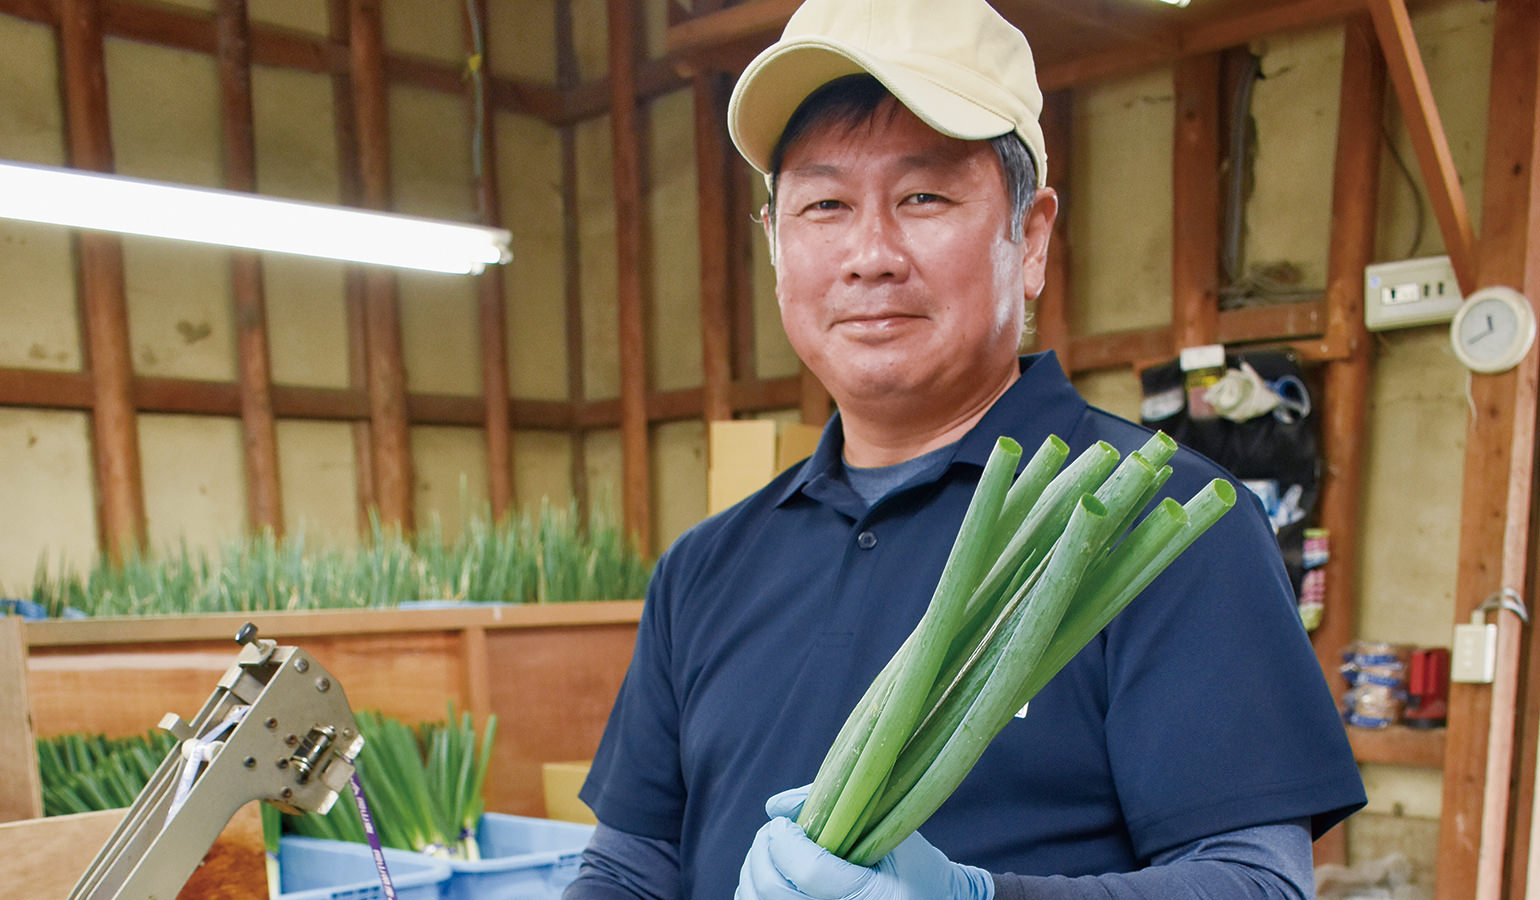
[[229, 218]]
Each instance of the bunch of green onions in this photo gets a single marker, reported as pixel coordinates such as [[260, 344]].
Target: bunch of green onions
[[552, 555], [84, 773], [423, 786], [1043, 561]]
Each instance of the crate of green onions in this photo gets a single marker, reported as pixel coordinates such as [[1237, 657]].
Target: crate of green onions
[[522, 858], [1042, 562]]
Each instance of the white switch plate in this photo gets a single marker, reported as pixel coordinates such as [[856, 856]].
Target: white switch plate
[[1473, 658], [1410, 292]]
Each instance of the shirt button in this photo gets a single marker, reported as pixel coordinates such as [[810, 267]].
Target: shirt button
[[866, 540]]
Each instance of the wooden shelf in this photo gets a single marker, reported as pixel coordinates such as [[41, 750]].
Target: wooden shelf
[[1399, 745]]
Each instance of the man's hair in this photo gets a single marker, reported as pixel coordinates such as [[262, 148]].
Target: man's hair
[[853, 100]]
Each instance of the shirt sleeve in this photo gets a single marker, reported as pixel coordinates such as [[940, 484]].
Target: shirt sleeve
[[1267, 862], [635, 782], [618, 865]]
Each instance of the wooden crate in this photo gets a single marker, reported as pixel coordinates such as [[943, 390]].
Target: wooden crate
[[550, 673]]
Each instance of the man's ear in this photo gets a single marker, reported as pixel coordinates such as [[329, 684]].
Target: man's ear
[[767, 222], [1036, 232]]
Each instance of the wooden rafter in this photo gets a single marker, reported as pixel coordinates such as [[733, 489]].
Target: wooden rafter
[[1407, 73]]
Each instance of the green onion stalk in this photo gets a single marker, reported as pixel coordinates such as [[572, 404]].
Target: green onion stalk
[[1043, 561]]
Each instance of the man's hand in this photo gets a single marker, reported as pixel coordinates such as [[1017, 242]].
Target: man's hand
[[784, 864]]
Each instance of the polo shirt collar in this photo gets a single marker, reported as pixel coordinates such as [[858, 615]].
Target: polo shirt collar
[[1040, 403]]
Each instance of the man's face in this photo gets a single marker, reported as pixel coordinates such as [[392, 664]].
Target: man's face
[[897, 279]]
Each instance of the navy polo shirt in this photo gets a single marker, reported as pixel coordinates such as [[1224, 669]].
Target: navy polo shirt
[[1200, 709]]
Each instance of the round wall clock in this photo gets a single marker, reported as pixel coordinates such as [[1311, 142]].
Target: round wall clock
[[1493, 329]]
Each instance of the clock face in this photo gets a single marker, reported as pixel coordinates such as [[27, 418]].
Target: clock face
[[1493, 330]]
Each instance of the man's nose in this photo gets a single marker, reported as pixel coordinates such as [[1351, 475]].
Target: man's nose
[[877, 250]]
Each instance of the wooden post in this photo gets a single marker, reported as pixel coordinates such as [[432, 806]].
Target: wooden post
[[711, 168], [491, 285], [813, 398], [264, 503], [20, 787], [1498, 488], [389, 432], [1196, 203], [1052, 315], [636, 467], [571, 243], [345, 127], [478, 683], [104, 305], [1344, 404], [743, 233]]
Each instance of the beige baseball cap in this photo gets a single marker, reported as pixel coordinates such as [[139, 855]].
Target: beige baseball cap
[[956, 64]]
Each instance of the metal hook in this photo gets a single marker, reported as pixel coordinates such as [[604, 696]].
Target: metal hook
[[1508, 599]]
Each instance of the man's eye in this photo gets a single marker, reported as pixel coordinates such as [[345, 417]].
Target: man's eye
[[824, 205], [924, 197]]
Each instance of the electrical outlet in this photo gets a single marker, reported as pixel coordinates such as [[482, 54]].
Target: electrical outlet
[[1473, 658], [1410, 292]]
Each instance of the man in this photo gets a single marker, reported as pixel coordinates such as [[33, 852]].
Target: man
[[1191, 750]]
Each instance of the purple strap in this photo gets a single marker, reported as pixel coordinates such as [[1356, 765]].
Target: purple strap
[[374, 838]]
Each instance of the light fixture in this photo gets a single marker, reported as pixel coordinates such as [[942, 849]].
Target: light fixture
[[1175, 2], [232, 219]]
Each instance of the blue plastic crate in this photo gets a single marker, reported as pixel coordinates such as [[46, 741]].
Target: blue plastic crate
[[314, 869], [522, 858]]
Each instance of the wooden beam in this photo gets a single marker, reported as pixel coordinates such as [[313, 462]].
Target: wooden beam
[[103, 301], [491, 285], [712, 164], [1124, 22], [1344, 404], [650, 78], [1212, 35], [1050, 318], [1355, 183], [390, 436], [571, 239], [335, 404], [345, 129], [43, 389], [636, 470], [753, 20], [1509, 256], [1497, 495], [1420, 112], [264, 503], [1117, 349], [1195, 202], [754, 395], [1399, 746]]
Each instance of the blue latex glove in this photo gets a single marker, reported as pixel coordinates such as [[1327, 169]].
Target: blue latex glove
[[783, 864]]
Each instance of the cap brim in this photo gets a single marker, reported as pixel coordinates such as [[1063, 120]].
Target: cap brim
[[778, 80]]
